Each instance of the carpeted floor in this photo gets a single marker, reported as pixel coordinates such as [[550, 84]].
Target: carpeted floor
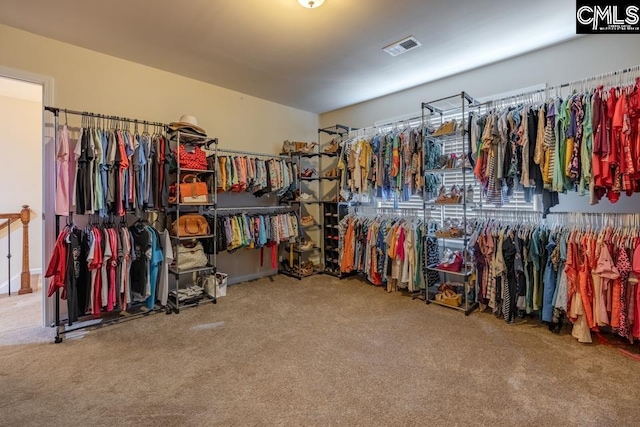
[[21, 317], [318, 352]]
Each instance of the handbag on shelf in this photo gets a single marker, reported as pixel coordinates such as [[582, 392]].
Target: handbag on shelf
[[192, 190], [214, 286], [190, 255], [190, 225], [191, 157]]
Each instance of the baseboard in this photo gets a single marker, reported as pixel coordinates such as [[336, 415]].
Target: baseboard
[[15, 281], [254, 276]]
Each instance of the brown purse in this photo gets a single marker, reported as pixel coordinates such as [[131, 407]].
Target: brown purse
[[192, 190], [190, 225]]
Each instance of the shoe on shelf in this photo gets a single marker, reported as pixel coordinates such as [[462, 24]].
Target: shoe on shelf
[[287, 147], [304, 197], [307, 220], [308, 148], [307, 268], [446, 128], [308, 173], [306, 245], [453, 197], [299, 146], [333, 147], [332, 173]]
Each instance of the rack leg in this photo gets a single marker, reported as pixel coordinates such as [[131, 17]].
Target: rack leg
[[470, 309], [58, 338]]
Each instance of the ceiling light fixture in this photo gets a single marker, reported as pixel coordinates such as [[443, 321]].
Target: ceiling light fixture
[[311, 4]]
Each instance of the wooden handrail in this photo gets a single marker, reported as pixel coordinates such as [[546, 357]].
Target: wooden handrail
[[10, 221], [24, 216]]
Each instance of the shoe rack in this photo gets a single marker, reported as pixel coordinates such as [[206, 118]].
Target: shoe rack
[[456, 287], [297, 261], [330, 139]]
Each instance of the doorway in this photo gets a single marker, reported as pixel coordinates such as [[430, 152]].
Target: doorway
[[21, 211]]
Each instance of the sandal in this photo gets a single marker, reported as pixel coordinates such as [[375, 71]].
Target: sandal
[[287, 147], [307, 220], [308, 173], [308, 148], [307, 245], [333, 173], [333, 147], [304, 197]]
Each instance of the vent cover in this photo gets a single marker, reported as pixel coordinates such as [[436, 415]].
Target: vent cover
[[402, 46]]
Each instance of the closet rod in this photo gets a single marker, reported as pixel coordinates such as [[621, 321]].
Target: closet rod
[[257, 209], [386, 211], [569, 84], [595, 214], [377, 128], [480, 210], [252, 153], [57, 111]]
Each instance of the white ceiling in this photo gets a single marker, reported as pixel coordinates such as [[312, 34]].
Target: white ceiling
[[313, 59]]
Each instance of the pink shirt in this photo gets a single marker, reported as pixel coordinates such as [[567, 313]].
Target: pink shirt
[[62, 184]]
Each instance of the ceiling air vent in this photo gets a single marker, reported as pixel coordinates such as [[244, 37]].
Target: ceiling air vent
[[402, 46]]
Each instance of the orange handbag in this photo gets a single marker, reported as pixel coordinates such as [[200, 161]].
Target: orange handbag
[[190, 225], [192, 190]]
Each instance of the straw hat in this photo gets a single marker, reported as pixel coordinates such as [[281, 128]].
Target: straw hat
[[187, 122]]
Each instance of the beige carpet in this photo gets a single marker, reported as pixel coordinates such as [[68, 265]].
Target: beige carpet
[[21, 317], [318, 352]]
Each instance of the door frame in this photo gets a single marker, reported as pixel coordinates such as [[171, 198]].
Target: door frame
[[48, 177]]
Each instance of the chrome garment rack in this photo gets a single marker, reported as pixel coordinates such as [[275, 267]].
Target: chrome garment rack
[[56, 111], [223, 151], [256, 210], [588, 83], [373, 211], [592, 219], [59, 324]]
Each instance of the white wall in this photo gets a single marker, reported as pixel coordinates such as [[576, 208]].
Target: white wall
[[21, 182], [573, 60], [90, 81]]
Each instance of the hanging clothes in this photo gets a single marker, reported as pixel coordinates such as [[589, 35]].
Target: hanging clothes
[[384, 165], [107, 268], [389, 251], [575, 272], [115, 172], [256, 175], [252, 231], [588, 142]]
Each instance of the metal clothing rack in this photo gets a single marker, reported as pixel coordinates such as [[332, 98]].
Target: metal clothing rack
[[593, 219], [373, 211], [255, 209], [56, 111], [112, 318], [252, 154], [582, 84], [234, 210], [510, 214]]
